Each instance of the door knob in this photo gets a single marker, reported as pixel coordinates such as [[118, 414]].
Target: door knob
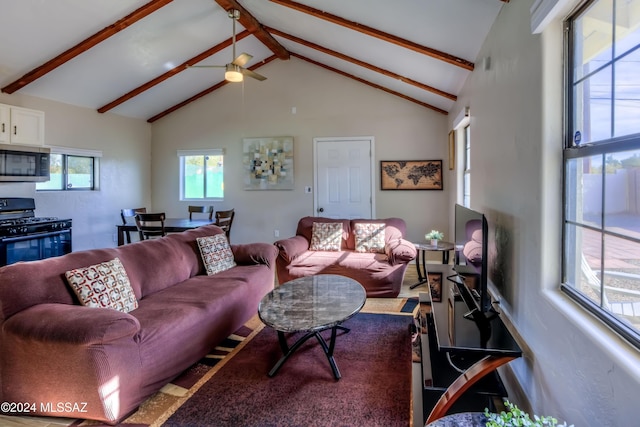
[[320, 210]]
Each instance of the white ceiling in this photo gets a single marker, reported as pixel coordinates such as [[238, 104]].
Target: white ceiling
[[36, 31]]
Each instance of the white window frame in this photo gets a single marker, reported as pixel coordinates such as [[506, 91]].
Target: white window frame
[[577, 152], [466, 172], [197, 152], [67, 152], [462, 127]]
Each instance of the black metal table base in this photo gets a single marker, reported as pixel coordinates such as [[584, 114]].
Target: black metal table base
[[328, 349], [421, 269]]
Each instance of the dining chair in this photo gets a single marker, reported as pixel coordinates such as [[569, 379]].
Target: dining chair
[[224, 219], [129, 213], [200, 209], [150, 225]]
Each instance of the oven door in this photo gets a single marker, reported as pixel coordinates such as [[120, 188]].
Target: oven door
[[33, 247]]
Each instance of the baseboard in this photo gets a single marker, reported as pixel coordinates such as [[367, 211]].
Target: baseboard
[[515, 391]]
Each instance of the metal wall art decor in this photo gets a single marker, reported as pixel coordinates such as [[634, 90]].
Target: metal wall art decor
[[411, 174], [268, 163], [435, 285]]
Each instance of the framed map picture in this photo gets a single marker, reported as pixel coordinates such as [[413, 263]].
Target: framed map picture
[[411, 175]]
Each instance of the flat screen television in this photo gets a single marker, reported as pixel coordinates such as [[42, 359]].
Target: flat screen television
[[471, 236]]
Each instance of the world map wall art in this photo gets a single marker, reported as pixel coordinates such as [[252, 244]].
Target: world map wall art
[[411, 174], [268, 163]]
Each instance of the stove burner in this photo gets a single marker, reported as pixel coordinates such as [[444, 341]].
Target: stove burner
[[28, 220]]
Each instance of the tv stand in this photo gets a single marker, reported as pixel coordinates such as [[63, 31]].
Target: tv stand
[[461, 350]]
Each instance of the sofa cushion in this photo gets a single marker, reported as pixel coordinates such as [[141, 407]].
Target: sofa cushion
[[216, 253], [104, 285], [178, 325], [326, 236], [395, 228], [305, 228], [369, 237]]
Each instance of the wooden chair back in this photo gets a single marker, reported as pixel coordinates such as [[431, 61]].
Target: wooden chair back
[[129, 213], [201, 209], [150, 225], [224, 219]]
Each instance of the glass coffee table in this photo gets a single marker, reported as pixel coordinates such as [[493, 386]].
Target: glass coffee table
[[311, 304]]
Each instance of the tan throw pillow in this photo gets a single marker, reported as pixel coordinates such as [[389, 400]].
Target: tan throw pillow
[[216, 253], [103, 285], [369, 237], [326, 236]]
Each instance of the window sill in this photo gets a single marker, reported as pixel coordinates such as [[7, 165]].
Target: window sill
[[593, 329]]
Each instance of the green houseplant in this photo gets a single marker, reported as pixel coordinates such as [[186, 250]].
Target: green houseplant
[[515, 417], [434, 236]]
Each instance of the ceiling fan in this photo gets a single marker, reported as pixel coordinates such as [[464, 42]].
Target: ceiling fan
[[234, 71]]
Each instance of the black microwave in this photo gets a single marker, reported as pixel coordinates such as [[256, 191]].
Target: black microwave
[[21, 163]]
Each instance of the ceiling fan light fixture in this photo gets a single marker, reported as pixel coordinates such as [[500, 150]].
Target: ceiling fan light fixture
[[233, 73]]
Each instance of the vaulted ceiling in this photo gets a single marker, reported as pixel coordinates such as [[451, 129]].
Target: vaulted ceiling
[[133, 58]]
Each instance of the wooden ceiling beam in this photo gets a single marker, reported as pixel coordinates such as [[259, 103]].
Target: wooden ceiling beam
[[390, 38], [363, 64], [205, 92], [368, 83], [85, 45], [137, 91], [255, 27]]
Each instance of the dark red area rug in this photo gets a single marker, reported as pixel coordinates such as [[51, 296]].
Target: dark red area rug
[[375, 390]]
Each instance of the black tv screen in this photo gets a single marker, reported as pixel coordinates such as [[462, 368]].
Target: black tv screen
[[471, 254]]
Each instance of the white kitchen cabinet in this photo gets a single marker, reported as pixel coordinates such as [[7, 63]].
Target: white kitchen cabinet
[[4, 123], [21, 125]]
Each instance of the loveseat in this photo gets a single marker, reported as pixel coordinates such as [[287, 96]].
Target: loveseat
[[370, 251], [101, 363]]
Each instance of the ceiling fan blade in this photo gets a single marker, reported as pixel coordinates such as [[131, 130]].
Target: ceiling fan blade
[[242, 59], [253, 74], [206, 66]]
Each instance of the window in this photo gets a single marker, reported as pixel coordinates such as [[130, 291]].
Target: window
[[601, 254], [201, 174], [72, 169], [466, 181], [462, 127]]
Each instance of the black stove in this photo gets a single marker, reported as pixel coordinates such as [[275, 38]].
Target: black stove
[[17, 218], [26, 237], [26, 226]]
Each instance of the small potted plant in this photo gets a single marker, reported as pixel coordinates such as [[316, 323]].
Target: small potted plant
[[514, 416], [434, 236]]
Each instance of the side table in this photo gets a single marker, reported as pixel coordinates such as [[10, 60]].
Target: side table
[[421, 264]]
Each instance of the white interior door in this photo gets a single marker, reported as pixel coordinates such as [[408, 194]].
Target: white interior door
[[344, 177]]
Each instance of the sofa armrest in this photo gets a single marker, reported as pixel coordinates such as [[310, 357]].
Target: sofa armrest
[[71, 324], [292, 247], [400, 251], [75, 353], [255, 253]]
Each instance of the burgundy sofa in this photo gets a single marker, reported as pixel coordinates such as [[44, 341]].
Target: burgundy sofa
[[381, 274], [52, 349]]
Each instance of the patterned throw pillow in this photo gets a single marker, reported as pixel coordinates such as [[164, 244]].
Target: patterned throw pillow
[[369, 237], [326, 236], [216, 253], [103, 285]]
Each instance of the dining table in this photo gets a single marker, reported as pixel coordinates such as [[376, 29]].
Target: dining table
[[171, 225]]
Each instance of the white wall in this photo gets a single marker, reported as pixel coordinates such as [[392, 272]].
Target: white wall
[[573, 367], [124, 169], [326, 105]]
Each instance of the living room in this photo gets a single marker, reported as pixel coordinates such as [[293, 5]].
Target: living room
[[574, 367]]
